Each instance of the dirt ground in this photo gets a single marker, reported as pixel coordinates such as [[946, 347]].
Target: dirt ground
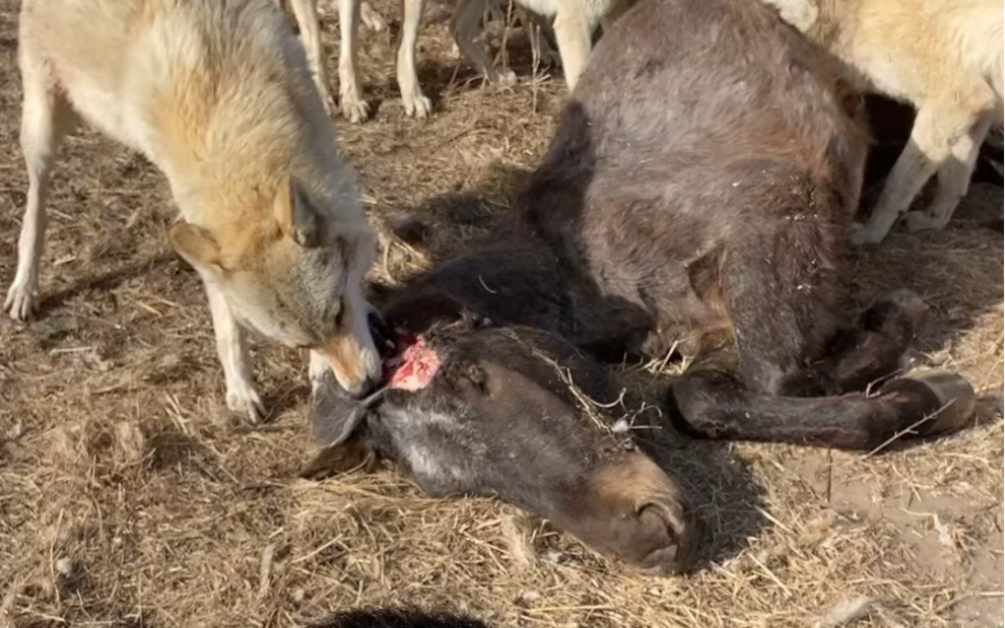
[[127, 499]]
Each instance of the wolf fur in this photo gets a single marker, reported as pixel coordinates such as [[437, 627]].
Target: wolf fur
[[351, 100], [219, 97], [945, 57], [536, 28], [575, 22]]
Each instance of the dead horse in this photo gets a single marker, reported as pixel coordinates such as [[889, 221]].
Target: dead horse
[[696, 197]]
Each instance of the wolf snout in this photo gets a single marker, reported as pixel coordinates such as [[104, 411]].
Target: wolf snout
[[356, 365]]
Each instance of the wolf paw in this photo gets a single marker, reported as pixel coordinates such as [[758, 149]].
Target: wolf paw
[[22, 300], [861, 235], [417, 105], [922, 221], [354, 108], [326, 99], [504, 78], [371, 19], [244, 402]]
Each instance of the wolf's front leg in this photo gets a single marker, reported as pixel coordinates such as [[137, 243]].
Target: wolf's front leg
[[231, 346], [46, 118], [350, 98], [416, 103], [306, 12]]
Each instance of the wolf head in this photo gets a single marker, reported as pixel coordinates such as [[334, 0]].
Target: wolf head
[[295, 276]]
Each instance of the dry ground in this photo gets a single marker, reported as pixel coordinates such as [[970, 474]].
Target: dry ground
[[125, 500]]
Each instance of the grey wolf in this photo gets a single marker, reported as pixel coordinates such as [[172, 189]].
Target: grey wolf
[[944, 57], [351, 101], [219, 97], [574, 24]]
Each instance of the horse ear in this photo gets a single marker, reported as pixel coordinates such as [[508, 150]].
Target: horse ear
[[337, 459], [338, 425], [334, 415]]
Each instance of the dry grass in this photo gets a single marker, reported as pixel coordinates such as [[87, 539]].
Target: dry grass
[[125, 501]]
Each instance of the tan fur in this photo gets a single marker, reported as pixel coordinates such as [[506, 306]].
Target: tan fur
[[350, 96], [648, 511], [637, 480], [219, 97], [943, 56], [575, 21]]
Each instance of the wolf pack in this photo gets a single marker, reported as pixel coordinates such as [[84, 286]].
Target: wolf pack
[[697, 202]]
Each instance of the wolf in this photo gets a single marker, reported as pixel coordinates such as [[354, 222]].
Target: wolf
[[351, 102], [575, 22], [218, 95], [944, 57]]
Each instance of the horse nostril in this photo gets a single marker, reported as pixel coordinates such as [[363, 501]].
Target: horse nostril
[[676, 555]]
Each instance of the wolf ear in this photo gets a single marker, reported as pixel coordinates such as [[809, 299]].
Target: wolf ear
[[297, 214], [196, 245]]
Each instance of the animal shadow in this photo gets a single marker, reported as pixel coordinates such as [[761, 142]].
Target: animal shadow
[[725, 497], [172, 450], [106, 281]]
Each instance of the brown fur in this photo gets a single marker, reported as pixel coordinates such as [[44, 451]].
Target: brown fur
[[500, 419], [735, 197], [703, 179], [631, 488]]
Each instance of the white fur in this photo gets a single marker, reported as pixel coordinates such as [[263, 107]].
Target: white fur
[[943, 56], [351, 100], [139, 70], [575, 21]]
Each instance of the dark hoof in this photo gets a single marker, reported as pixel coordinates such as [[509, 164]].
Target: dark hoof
[[899, 317], [952, 400]]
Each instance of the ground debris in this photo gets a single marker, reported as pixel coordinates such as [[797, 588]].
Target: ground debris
[[845, 612]]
